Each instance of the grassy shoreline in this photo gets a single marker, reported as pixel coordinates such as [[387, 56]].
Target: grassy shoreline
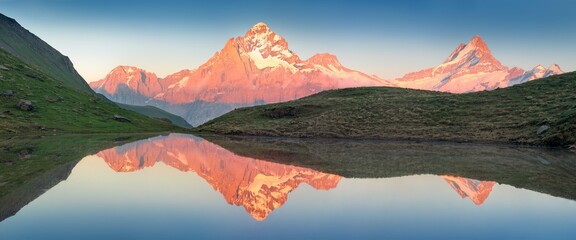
[[545, 170], [505, 116]]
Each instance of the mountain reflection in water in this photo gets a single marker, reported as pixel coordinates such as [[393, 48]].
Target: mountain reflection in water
[[157, 189], [259, 186]]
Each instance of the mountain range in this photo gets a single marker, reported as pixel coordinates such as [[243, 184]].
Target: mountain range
[[253, 69], [259, 68]]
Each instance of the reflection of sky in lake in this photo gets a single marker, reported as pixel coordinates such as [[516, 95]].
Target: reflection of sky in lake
[[161, 202]]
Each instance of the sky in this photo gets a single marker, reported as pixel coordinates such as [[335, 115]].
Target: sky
[[384, 38]]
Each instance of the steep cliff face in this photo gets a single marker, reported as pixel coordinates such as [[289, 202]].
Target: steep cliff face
[[259, 186]]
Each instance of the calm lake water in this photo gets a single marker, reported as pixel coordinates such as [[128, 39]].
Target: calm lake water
[[184, 187]]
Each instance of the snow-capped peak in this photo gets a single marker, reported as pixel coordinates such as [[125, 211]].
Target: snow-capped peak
[[122, 69], [266, 48], [539, 68], [260, 27], [326, 60], [476, 46], [259, 37], [542, 72], [555, 69], [478, 43]]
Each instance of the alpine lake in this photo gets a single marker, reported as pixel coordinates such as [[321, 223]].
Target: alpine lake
[[178, 186]]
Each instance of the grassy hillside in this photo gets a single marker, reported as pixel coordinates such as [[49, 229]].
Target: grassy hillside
[[158, 113], [510, 115], [35, 52], [58, 107]]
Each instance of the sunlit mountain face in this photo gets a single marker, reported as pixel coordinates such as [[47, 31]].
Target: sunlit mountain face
[[252, 69], [259, 68], [259, 186], [471, 67]]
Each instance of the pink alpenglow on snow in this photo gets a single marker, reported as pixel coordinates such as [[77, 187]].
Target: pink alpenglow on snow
[[470, 68], [257, 67]]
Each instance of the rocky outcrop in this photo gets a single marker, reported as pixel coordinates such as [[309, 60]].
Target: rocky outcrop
[[25, 105]]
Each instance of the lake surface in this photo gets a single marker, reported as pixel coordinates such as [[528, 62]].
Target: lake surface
[[184, 187]]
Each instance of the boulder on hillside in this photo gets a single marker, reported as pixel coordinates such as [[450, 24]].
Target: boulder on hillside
[[25, 105], [120, 118], [542, 129], [7, 93]]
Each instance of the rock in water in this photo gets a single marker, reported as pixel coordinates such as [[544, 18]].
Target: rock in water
[[120, 118], [542, 129], [25, 105]]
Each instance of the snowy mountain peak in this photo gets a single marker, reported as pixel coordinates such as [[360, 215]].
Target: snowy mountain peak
[[556, 69], [476, 46], [260, 37], [126, 69], [539, 68], [266, 48], [325, 60], [131, 77], [259, 27], [478, 43]]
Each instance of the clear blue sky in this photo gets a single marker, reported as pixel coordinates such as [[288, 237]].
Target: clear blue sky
[[386, 38]]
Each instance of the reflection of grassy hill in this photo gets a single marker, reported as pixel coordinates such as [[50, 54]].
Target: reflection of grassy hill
[[28, 167], [542, 170], [58, 107], [157, 113], [511, 115]]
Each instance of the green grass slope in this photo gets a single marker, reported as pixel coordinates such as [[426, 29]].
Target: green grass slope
[[510, 115], [59, 107], [158, 113], [35, 52]]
